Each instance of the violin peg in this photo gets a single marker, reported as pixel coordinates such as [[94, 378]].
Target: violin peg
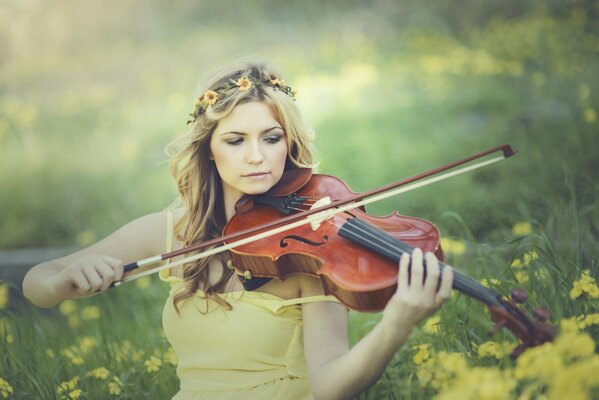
[[541, 314], [519, 295]]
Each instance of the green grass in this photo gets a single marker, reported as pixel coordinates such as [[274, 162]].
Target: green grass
[[84, 119]]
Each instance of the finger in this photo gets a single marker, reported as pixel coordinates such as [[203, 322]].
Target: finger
[[79, 280], [402, 279], [432, 272], [117, 266], [107, 273], [446, 285], [417, 270], [113, 262], [118, 271], [93, 277]]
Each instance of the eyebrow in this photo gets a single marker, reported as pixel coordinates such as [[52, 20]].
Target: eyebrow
[[245, 134]]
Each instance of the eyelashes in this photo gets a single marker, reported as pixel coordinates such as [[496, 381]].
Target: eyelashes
[[271, 139]]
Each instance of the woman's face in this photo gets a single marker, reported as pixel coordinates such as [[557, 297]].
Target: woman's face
[[249, 147]]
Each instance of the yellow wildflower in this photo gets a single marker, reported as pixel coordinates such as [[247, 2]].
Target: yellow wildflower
[[521, 277], [74, 394], [210, 97], [517, 263], [568, 325], [87, 343], [99, 373], [143, 282], [244, 84], [425, 372], [588, 320], [451, 246], [574, 345], [422, 354], [70, 353], [452, 362], [577, 381], [50, 353], [74, 321], [5, 389], [67, 307], [586, 284], [490, 349], [541, 362], [480, 384], [432, 324], [90, 312], [67, 386], [137, 355], [488, 282], [590, 116], [522, 228], [529, 257], [114, 387], [277, 82], [153, 364], [170, 356], [3, 295]]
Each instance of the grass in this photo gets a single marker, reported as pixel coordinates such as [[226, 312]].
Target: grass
[[82, 132]]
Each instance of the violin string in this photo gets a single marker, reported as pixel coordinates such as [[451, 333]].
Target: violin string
[[458, 278], [378, 241]]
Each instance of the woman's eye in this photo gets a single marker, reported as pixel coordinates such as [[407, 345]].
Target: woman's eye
[[273, 139], [235, 141]]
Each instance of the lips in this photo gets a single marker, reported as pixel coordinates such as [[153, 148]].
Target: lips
[[256, 174]]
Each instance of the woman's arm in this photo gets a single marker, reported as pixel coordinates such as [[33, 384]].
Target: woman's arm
[[336, 372], [92, 270]]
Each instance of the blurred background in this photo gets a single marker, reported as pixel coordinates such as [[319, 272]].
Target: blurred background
[[91, 92]]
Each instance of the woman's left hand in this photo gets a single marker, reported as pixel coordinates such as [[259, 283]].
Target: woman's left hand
[[416, 296]]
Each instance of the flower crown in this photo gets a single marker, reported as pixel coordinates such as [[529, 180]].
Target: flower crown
[[243, 84]]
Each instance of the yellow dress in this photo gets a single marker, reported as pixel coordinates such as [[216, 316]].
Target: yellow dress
[[254, 351]]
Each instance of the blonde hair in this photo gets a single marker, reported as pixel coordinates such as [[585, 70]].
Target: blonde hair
[[198, 181]]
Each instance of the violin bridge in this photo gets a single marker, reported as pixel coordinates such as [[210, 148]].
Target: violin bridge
[[320, 217]]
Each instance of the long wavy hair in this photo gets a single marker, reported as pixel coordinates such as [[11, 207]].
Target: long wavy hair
[[198, 181]]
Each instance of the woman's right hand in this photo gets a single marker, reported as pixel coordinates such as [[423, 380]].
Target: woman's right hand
[[85, 276]]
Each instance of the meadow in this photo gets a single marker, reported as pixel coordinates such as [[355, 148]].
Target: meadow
[[88, 100]]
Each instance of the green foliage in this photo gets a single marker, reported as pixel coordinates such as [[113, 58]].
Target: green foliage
[[90, 96]]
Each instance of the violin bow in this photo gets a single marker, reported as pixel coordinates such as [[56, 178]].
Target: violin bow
[[316, 214]]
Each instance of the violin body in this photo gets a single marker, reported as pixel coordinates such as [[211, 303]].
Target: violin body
[[363, 280]]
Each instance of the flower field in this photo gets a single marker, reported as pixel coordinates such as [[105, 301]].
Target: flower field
[[90, 95], [112, 346]]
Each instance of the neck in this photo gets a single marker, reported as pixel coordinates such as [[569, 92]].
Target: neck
[[230, 198]]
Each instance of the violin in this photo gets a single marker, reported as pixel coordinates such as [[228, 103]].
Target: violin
[[315, 224]]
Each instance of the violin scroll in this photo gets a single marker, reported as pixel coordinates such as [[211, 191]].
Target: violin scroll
[[510, 316]]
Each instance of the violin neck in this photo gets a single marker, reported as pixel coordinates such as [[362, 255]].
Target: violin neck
[[381, 242]]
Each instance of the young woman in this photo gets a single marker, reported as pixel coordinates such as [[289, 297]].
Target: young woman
[[283, 340]]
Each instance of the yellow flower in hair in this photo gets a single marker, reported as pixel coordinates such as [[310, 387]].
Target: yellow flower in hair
[[244, 84], [277, 82], [210, 97]]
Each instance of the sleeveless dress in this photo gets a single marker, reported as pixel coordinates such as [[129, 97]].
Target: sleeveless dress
[[254, 351]]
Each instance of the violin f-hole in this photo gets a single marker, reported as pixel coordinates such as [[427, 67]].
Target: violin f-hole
[[283, 242]]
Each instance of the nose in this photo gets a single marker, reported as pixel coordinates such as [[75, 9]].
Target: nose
[[254, 155]]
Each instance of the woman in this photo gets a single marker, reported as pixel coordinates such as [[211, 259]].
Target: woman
[[285, 339]]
